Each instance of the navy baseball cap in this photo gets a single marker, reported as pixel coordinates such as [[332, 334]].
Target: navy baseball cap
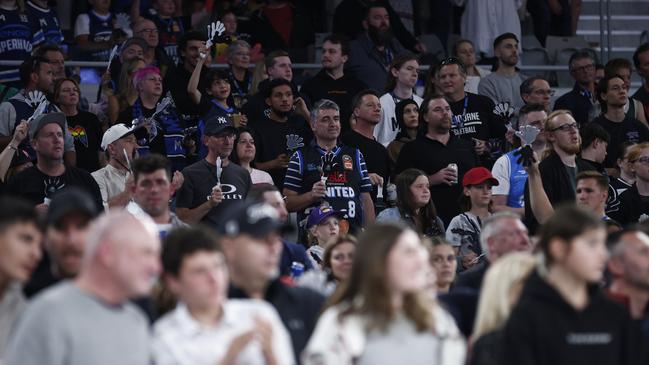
[[319, 214], [216, 125], [252, 218]]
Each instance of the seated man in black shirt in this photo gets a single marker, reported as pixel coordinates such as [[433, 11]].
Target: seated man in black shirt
[[281, 133], [434, 152], [39, 183], [332, 82], [278, 66], [367, 113], [622, 128]]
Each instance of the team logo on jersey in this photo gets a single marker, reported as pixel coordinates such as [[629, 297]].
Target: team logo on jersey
[[337, 177], [347, 162], [294, 142], [43, 22], [23, 18]]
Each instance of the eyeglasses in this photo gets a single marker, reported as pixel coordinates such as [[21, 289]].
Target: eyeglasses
[[642, 160], [566, 127], [584, 68], [152, 31]]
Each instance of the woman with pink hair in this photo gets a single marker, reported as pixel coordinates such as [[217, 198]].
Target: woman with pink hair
[[166, 130]]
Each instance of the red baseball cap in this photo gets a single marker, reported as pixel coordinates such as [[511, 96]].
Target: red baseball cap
[[477, 176]]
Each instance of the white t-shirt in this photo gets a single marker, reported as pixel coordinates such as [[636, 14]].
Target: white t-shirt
[[178, 339], [387, 129], [471, 84], [501, 172]]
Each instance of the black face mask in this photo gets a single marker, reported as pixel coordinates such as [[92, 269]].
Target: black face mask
[[380, 36]]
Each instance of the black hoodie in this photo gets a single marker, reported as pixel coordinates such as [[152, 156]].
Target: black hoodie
[[544, 329]]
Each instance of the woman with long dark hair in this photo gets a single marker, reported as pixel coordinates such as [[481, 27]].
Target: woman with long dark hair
[[414, 205], [383, 314], [244, 155], [407, 115]]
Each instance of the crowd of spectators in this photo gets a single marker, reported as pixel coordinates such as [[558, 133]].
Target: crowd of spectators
[[213, 205]]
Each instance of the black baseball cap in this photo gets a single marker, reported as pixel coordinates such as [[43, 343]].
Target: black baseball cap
[[68, 201], [252, 218]]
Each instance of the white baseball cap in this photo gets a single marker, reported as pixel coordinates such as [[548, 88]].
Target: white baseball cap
[[114, 133]]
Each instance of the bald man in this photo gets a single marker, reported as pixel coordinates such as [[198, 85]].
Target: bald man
[[90, 320]]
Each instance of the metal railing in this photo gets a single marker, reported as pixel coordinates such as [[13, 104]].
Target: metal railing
[[604, 27], [295, 66]]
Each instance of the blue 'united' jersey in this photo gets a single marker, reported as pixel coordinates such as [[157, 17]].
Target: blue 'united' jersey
[[47, 21], [17, 39]]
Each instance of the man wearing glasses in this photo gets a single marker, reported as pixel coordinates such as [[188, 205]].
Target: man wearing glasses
[[620, 127], [581, 100], [536, 90], [209, 189], [560, 168]]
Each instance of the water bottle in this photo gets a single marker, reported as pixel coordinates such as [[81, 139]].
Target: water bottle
[[297, 269], [391, 198]]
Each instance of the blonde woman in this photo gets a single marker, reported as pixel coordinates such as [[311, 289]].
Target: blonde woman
[[500, 292]]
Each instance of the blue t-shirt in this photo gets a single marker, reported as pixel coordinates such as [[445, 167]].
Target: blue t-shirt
[[517, 180]]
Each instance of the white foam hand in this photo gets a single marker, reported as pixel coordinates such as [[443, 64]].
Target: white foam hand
[[35, 98], [40, 109], [123, 21], [527, 134], [220, 28]]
